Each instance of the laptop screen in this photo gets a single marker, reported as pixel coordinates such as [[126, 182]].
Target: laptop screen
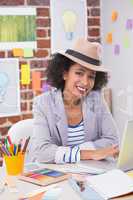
[[125, 159]]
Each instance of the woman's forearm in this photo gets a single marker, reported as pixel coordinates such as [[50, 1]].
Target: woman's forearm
[[86, 154], [99, 154]]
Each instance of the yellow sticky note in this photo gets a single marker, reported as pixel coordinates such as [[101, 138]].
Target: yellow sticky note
[[28, 53], [36, 81], [109, 38], [18, 52], [25, 74], [114, 16]]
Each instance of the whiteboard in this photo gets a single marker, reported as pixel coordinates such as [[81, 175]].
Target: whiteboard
[[120, 65]]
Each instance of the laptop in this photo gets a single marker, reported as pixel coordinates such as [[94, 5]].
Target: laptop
[[125, 158]]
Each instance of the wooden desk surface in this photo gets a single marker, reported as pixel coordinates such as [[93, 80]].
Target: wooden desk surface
[[125, 197], [68, 192], [102, 164]]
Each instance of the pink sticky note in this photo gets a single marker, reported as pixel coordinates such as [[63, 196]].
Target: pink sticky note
[[129, 24], [117, 49]]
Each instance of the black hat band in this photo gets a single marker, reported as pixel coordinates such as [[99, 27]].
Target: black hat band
[[83, 57]]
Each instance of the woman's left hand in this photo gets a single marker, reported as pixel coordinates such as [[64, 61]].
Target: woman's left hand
[[100, 154]]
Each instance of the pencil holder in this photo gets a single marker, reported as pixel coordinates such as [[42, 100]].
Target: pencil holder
[[14, 164]]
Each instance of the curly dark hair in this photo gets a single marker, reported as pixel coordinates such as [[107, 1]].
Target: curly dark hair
[[59, 63]]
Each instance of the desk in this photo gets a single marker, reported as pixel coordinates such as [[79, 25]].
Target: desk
[[68, 192]]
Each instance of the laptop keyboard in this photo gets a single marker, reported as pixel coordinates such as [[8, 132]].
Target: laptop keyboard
[[81, 169]]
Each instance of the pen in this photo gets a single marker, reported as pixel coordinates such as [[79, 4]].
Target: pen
[[9, 140], [11, 148], [15, 150], [3, 148], [25, 145], [19, 147], [6, 143]]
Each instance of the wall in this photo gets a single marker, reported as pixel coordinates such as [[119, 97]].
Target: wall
[[42, 53], [120, 65]]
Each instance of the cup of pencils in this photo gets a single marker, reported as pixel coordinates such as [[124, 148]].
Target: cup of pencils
[[14, 155]]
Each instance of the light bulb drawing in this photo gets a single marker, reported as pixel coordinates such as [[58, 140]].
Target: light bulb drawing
[[69, 19], [4, 82]]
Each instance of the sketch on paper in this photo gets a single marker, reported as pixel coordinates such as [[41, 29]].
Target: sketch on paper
[[4, 81], [21, 28], [69, 24], [69, 19], [9, 87], [22, 25]]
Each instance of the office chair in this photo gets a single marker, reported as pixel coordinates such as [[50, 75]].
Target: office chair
[[21, 130]]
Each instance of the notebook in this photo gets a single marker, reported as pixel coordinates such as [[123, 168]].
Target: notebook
[[125, 159], [44, 176], [113, 183]]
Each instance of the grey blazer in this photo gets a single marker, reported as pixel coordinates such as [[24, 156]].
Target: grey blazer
[[50, 124]]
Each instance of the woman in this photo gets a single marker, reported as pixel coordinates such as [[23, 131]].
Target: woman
[[71, 121]]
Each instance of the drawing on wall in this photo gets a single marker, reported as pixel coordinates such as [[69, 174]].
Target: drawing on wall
[[9, 87], [4, 81], [22, 25], [70, 20], [118, 57], [69, 24]]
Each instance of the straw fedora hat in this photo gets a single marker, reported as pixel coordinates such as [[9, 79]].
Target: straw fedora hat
[[86, 54]]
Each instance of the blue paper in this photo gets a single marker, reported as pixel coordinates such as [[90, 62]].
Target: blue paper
[[88, 193], [52, 194]]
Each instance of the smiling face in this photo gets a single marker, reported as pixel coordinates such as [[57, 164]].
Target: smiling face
[[79, 81]]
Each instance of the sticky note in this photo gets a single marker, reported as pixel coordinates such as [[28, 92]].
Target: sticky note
[[28, 53], [131, 2], [25, 74], [114, 16], [126, 42], [109, 38], [18, 52], [129, 24], [36, 81], [117, 49]]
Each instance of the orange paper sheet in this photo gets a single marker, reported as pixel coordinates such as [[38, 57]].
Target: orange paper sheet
[[37, 196], [25, 74], [18, 52], [36, 81], [114, 16], [109, 38]]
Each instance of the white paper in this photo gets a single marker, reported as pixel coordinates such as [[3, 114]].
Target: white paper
[[111, 184], [20, 11], [68, 22], [9, 87]]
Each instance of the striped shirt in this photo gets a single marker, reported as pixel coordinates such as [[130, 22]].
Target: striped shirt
[[75, 142], [75, 138], [75, 134]]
